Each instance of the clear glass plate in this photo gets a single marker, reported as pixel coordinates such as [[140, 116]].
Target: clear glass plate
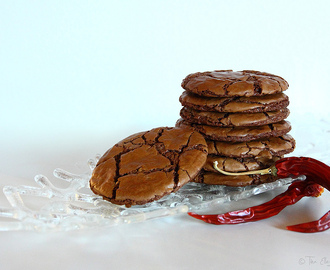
[[50, 208]]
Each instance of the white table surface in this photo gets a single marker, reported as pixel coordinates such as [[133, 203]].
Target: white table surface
[[177, 242], [78, 76]]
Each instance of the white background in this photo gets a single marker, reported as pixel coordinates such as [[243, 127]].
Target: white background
[[78, 76]]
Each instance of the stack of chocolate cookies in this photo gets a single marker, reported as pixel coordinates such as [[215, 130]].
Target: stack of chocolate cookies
[[242, 117]]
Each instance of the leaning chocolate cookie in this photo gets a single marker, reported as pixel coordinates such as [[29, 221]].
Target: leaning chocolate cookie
[[149, 165], [227, 83], [222, 119]]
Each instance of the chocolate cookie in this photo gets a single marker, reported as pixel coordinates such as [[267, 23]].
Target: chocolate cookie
[[149, 165], [238, 164], [238, 134], [212, 178], [222, 119], [264, 103], [227, 83], [268, 147]]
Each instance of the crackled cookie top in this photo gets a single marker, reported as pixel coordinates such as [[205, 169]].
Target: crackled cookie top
[[149, 165], [238, 134], [227, 83], [222, 119], [264, 103], [267, 147]]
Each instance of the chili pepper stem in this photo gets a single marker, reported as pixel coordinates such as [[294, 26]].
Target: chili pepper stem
[[317, 176], [271, 170]]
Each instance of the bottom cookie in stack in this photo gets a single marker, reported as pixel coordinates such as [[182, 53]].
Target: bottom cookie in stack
[[242, 149], [243, 156]]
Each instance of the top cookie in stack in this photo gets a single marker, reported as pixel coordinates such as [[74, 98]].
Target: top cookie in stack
[[242, 116]]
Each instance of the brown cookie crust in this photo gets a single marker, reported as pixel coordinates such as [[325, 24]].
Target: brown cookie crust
[[268, 147], [238, 134], [222, 119], [264, 103], [227, 83], [211, 178], [149, 165], [238, 164]]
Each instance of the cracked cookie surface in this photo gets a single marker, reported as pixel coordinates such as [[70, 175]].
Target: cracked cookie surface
[[238, 134], [264, 103], [238, 164], [268, 147], [227, 83], [211, 178], [222, 119], [149, 165]]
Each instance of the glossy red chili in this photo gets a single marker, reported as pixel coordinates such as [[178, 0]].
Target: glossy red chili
[[293, 194], [316, 172], [320, 225]]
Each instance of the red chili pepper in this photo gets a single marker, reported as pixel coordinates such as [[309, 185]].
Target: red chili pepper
[[316, 172], [320, 225], [313, 169], [293, 194]]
